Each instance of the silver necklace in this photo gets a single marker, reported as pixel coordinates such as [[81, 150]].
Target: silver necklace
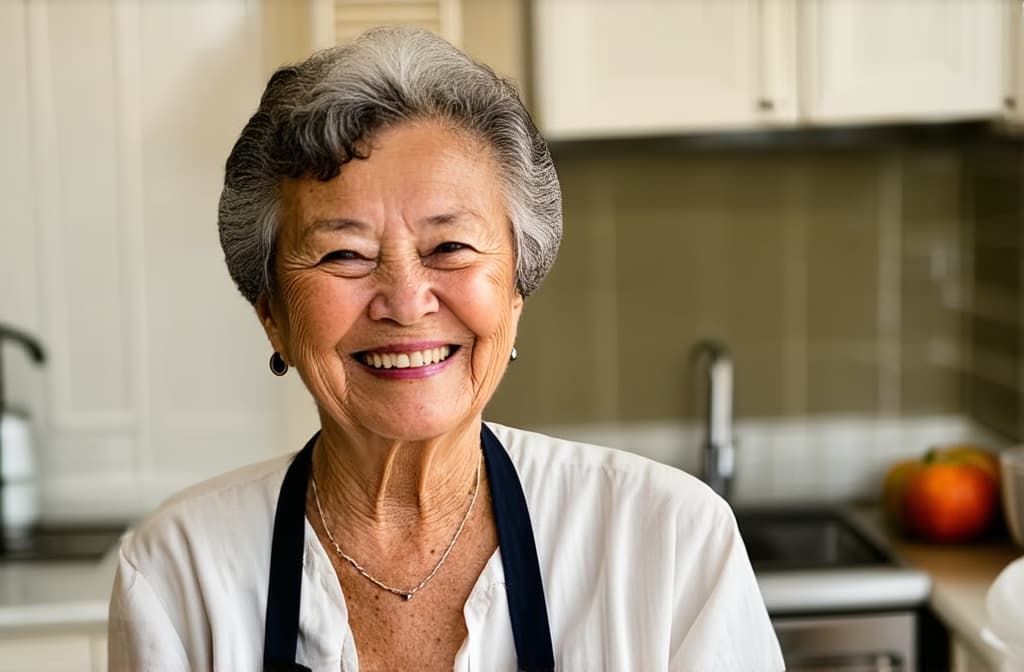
[[403, 592]]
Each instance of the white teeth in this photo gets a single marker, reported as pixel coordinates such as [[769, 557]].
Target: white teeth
[[406, 360]]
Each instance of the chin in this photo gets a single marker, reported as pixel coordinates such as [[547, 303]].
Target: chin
[[420, 429]]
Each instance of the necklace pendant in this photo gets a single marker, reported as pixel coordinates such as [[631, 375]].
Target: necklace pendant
[[407, 594]]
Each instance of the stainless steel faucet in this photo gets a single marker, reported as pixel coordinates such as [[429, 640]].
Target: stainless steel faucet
[[719, 451]]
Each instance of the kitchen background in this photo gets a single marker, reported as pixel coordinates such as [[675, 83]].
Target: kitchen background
[[832, 188], [865, 277]]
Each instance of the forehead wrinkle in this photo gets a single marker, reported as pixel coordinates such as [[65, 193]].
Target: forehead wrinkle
[[453, 218], [334, 225]]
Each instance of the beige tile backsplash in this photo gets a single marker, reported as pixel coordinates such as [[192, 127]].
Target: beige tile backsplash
[[994, 302], [834, 277]]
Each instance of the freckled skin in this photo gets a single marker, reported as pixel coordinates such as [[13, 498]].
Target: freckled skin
[[410, 245], [468, 299]]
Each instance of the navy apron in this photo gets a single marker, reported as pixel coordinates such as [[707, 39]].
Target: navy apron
[[526, 604]]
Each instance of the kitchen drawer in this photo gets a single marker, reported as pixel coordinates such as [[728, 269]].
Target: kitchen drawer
[[873, 642]]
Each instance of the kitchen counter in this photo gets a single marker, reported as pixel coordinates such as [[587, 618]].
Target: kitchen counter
[[961, 576], [49, 596], [41, 597]]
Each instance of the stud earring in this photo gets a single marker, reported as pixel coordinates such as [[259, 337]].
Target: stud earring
[[278, 366], [514, 356]]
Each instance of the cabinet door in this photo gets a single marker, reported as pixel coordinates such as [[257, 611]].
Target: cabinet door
[[121, 115], [340, 21], [965, 657], [53, 654], [645, 67], [870, 61], [98, 643], [1013, 61]]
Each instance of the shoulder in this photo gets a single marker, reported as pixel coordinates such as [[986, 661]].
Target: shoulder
[[536, 454], [613, 528], [191, 577], [595, 476], [211, 515]]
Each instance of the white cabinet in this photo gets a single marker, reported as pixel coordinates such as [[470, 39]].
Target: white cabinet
[[98, 644], [654, 67], [339, 21], [965, 658], [648, 67], [1013, 57], [901, 60], [54, 653], [119, 115]]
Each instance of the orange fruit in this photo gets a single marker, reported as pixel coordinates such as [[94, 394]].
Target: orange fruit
[[949, 501], [985, 460]]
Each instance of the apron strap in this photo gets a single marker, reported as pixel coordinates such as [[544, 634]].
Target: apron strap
[[523, 581], [526, 603], [281, 635]]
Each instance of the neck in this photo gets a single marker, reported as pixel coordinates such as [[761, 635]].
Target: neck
[[366, 481]]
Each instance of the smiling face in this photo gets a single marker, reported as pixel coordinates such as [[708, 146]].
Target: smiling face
[[395, 291]]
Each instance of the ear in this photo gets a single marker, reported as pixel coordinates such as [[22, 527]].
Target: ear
[[517, 305], [272, 325], [517, 311]]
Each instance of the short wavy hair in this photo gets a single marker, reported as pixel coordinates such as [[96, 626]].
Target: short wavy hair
[[315, 117]]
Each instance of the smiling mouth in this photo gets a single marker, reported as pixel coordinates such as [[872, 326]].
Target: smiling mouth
[[406, 360]]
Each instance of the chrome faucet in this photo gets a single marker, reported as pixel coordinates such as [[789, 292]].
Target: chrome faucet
[[719, 455]]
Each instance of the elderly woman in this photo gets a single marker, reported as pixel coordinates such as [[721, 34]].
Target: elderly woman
[[387, 210]]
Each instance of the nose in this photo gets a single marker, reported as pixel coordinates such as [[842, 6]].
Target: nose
[[404, 296]]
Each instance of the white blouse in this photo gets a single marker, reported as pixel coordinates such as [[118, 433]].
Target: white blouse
[[643, 569]]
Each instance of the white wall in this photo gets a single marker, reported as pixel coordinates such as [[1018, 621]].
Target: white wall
[[118, 117]]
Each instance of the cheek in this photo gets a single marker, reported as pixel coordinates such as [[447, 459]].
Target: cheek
[[484, 304], [320, 311], [487, 310]]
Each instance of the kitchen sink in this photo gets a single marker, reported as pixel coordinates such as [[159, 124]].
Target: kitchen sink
[[795, 539], [836, 598], [814, 559]]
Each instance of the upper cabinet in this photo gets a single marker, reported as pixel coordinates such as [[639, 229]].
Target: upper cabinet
[[339, 21], [901, 60], [492, 31], [650, 67], [655, 67], [1013, 57]]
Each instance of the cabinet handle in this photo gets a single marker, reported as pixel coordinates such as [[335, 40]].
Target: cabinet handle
[[765, 104], [1010, 103]]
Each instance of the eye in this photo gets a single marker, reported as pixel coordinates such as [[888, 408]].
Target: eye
[[346, 263], [449, 255], [341, 255], [449, 247]]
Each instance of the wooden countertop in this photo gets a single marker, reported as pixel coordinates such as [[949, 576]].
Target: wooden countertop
[[961, 575]]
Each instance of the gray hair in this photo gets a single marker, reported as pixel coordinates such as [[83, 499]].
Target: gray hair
[[315, 117]]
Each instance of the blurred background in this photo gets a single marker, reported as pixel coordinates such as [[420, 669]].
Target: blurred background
[[829, 188]]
